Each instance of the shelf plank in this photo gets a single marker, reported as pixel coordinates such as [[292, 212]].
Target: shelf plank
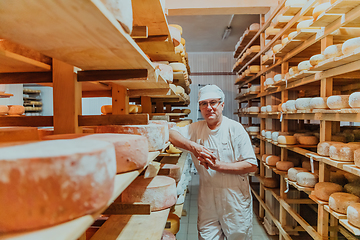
[[349, 227], [291, 10], [72, 40], [316, 200], [351, 168], [325, 19], [335, 214], [29, 121], [300, 188], [342, 6], [74, 229], [289, 46]]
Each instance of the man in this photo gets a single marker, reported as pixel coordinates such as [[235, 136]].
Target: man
[[223, 156]]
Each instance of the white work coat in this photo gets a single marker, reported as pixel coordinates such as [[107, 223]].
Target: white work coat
[[224, 202]]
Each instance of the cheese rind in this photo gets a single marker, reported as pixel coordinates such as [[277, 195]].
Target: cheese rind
[[323, 147], [4, 110], [338, 101], [270, 182], [15, 110], [304, 24], [284, 165], [323, 190], [292, 172], [286, 140], [160, 192], [302, 103], [316, 59], [353, 214], [340, 201], [278, 77], [306, 179], [308, 140], [277, 48], [54, 181], [254, 27], [343, 152], [333, 51], [290, 105], [174, 171], [350, 45], [318, 103], [293, 71], [304, 65], [175, 34], [354, 100], [272, 160]]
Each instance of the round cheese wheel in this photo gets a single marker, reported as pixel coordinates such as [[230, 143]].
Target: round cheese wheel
[[174, 171], [264, 58], [306, 179], [338, 101], [277, 48], [293, 71], [284, 165], [333, 51], [255, 88], [254, 129], [106, 109], [292, 172], [178, 67], [268, 134], [254, 27], [350, 45], [160, 192], [354, 100], [290, 105], [4, 110], [318, 103], [254, 109], [304, 24], [167, 235], [339, 201], [292, 34], [156, 134], [286, 140], [16, 110], [316, 59], [263, 133], [323, 147], [278, 77], [353, 188], [323, 190], [285, 41], [353, 214], [173, 150], [269, 53], [131, 151], [272, 31], [319, 9], [270, 182], [283, 107], [357, 157], [274, 136], [338, 178], [343, 152], [308, 140], [269, 81], [263, 157], [304, 65], [254, 68], [272, 160], [293, 3], [263, 109], [271, 108], [302, 103], [54, 181], [175, 34]]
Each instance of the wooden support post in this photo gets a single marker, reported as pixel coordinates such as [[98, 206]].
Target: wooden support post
[[146, 104], [334, 224], [159, 107], [66, 98], [168, 108], [120, 100]]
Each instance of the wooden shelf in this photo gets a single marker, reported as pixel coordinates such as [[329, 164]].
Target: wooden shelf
[[307, 190], [245, 41], [335, 214], [349, 227], [74, 229]]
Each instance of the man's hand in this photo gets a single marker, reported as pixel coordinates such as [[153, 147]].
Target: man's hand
[[204, 155]]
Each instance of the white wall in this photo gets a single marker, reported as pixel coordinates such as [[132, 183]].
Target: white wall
[[213, 62], [17, 91]]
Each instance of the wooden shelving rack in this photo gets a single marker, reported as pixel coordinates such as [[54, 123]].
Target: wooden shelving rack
[[331, 77], [92, 56]]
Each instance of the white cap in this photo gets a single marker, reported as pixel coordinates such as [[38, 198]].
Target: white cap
[[211, 91]]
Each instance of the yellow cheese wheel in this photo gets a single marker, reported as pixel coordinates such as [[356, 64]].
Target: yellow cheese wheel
[[254, 27], [4, 110], [174, 221], [339, 201], [318, 103], [323, 190], [293, 71], [16, 110], [286, 140], [270, 182], [292, 34], [177, 27], [277, 48], [308, 140], [354, 100]]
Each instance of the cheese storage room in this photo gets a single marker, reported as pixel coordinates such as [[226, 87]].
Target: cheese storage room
[[186, 120]]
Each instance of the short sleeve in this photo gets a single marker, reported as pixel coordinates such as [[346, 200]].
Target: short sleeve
[[184, 131], [243, 147]]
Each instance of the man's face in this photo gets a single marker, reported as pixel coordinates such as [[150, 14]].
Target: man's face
[[211, 109]]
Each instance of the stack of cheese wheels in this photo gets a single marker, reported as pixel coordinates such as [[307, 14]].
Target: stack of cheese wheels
[[333, 51], [354, 100], [353, 214], [339, 201], [4, 110], [323, 190], [167, 235], [292, 172], [304, 65], [351, 46], [286, 140], [263, 109], [271, 160], [293, 71], [156, 134], [319, 9], [316, 59], [290, 105], [302, 103], [160, 192], [131, 150], [306, 179], [171, 170], [268, 134], [16, 110], [338, 101], [57, 178], [308, 140], [17, 134], [323, 147], [318, 103], [270, 182], [271, 108], [284, 165], [122, 11], [343, 152]]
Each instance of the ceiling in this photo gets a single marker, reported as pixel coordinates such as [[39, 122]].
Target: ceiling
[[203, 33]]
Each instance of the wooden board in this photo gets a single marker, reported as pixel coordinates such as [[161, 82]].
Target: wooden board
[[349, 227], [289, 46], [335, 214], [300, 188], [305, 34], [61, 30], [291, 10], [325, 19], [316, 200], [74, 229], [343, 6], [351, 168], [246, 39]]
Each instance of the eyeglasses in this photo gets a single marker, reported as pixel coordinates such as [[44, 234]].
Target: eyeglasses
[[212, 103]]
